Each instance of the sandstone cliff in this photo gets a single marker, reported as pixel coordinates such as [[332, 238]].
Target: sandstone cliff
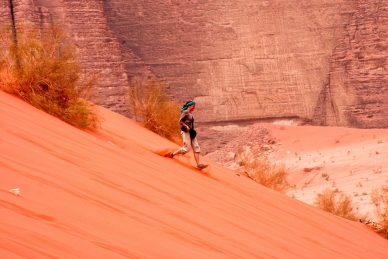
[[357, 91], [97, 47], [5, 12], [318, 61], [240, 60]]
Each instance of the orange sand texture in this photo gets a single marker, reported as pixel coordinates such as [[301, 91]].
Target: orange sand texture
[[354, 161], [110, 195]]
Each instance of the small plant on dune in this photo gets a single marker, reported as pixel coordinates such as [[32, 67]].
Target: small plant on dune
[[325, 176], [262, 170], [39, 66], [380, 200], [245, 156], [337, 203], [377, 170], [150, 104]]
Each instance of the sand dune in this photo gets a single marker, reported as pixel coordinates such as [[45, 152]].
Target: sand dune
[[353, 161], [111, 195]]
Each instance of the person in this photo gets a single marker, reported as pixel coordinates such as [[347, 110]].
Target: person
[[188, 134]]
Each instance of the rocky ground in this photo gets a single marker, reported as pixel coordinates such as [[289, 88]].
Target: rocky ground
[[224, 143]]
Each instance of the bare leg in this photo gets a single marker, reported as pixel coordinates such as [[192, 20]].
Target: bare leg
[[196, 156]]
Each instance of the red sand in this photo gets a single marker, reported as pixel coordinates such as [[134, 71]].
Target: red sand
[[355, 161], [109, 195]]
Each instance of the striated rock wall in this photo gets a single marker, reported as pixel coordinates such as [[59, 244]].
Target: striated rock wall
[[357, 92], [5, 12], [319, 61], [239, 60], [98, 49]]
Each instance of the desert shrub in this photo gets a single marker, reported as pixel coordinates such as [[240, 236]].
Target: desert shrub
[[262, 170], [39, 65], [338, 203], [380, 200], [245, 156], [150, 104]]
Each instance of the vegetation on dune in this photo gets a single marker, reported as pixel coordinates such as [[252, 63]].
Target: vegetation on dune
[[338, 203], [150, 104], [380, 200], [39, 65], [262, 170]]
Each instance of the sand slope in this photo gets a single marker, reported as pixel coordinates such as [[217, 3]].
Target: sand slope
[[354, 161], [108, 195]]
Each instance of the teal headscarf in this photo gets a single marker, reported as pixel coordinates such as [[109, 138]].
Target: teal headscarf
[[187, 105]]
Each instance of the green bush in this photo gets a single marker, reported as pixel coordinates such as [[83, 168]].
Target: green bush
[[40, 66], [380, 200], [338, 203], [150, 104]]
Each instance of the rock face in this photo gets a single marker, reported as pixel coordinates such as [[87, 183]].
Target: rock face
[[357, 91], [97, 47], [324, 62], [239, 60], [5, 12]]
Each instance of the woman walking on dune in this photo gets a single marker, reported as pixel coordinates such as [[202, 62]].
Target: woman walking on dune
[[189, 135]]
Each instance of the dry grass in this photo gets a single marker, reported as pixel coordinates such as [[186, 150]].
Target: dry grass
[[40, 67], [338, 203], [150, 104], [380, 200], [262, 170]]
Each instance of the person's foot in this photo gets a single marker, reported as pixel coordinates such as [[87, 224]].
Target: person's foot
[[201, 166], [171, 154]]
